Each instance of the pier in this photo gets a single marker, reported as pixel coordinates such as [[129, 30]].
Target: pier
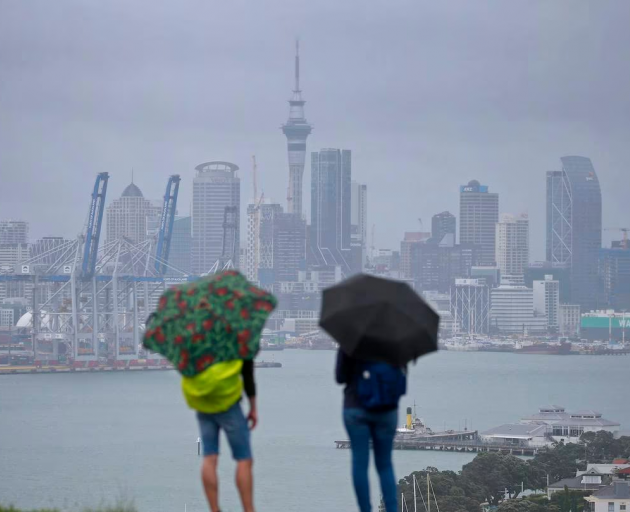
[[456, 446]]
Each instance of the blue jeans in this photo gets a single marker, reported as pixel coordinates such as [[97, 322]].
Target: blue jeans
[[380, 428], [234, 424]]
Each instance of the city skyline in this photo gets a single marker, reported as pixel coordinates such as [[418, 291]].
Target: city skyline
[[412, 127]]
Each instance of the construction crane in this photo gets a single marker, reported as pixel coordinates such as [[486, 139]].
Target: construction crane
[[95, 222], [624, 241], [167, 221]]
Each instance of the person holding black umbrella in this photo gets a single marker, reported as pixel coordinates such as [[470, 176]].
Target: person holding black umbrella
[[380, 326]]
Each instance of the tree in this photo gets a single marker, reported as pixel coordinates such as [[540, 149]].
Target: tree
[[494, 473]]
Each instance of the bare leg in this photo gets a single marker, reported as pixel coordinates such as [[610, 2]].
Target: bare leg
[[245, 483], [211, 481]]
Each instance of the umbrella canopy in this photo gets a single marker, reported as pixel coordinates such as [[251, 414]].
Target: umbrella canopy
[[379, 319], [213, 319]]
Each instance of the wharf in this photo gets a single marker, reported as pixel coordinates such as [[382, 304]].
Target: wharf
[[452, 444], [30, 370]]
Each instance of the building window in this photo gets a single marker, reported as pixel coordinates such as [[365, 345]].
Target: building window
[[611, 506], [622, 506]]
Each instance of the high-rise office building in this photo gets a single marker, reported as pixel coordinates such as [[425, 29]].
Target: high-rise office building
[[330, 208], [478, 215], [215, 215], [296, 129], [614, 271], [13, 232], [289, 242], [512, 244], [512, 311], [179, 258], [358, 226], [547, 301], [443, 224], [260, 236], [574, 226], [128, 216]]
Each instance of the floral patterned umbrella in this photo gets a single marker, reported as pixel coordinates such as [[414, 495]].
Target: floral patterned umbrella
[[213, 319]]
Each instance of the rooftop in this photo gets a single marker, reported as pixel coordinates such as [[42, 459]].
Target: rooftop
[[617, 490], [517, 430], [132, 190]]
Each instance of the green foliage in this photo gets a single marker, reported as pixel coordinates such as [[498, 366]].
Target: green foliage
[[489, 475]]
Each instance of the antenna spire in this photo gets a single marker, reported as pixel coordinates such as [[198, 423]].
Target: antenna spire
[[132, 175], [297, 66]]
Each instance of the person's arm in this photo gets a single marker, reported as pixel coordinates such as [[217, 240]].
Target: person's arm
[[250, 390], [341, 368]]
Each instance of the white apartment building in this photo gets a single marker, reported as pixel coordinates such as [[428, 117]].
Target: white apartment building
[[512, 311], [512, 244], [547, 300]]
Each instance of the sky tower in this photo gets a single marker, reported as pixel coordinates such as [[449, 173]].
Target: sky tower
[[297, 130]]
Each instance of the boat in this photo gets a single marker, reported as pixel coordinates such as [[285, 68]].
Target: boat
[[413, 428], [267, 364], [560, 349]]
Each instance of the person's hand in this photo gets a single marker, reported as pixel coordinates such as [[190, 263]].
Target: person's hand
[[252, 418]]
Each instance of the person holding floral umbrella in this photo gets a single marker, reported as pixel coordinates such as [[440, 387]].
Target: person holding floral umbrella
[[210, 330]]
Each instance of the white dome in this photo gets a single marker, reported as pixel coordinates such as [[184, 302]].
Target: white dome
[[26, 320]]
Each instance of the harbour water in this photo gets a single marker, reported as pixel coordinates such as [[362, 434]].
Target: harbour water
[[77, 440]]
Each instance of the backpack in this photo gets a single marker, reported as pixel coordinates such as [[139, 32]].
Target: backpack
[[380, 385]]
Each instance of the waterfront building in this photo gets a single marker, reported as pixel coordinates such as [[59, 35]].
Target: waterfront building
[[470, 306], [547, 301], [331, 208], [443, 224], [569, 319], [181, 247], [441, 303], [215, 215], [566, 426], [614, 271], [296, 130], [126, 217], [574, 226], [605, 326], [537, 271], [512, 244], [13, 232], [478, 215], [551, 424], [512, 311]]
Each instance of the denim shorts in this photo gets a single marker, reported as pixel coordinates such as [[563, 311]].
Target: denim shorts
[[234, 424]]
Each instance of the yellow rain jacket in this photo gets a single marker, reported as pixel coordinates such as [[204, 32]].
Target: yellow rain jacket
[[216, 389]]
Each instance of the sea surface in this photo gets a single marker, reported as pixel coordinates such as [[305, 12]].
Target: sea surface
[[82, 439]]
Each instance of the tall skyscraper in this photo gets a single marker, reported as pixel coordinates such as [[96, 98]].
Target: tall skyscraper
[[181, 247], [574, 226], [289, 243], [296, 130], [478, 215], [330, 208], [13, 232], [260, 247], [512, 244], [614, 270], [547, 301], [127, 216], [443, 224], [358, 226], [216, 215]]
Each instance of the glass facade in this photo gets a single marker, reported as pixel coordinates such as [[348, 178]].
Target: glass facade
[[331, 208], [574, 226]]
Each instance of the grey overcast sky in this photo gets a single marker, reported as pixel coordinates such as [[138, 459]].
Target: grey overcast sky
[[427, 95]]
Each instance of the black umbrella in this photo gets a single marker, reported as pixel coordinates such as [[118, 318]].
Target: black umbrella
[[379, 319]]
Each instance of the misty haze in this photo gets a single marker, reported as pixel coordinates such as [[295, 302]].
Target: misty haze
[[323, 228]]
